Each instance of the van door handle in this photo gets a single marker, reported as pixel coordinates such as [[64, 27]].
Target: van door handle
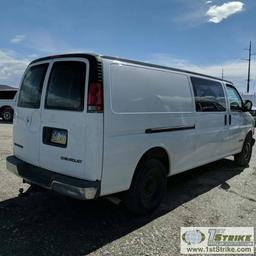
[[28, 120], [229, 119], [225, 120]]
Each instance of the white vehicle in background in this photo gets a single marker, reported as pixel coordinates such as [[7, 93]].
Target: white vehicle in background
[[253, 113], [88, 126], [251, 97], [7, 103]]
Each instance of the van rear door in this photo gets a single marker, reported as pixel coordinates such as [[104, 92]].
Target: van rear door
[[63, 118], [27, 114]]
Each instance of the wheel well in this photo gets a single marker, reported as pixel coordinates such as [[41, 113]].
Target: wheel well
[[4, 107], [249, 134], [157, 153]]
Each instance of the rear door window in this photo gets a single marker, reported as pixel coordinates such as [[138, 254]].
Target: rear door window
[[31, 87], [66, 86], [209, 95]]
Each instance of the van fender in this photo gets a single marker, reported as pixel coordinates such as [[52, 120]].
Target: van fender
[[158, 152]]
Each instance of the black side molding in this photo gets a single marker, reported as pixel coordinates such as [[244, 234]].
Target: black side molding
[[169, 129], [18, 145]]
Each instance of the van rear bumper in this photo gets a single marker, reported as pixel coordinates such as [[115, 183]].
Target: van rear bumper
[[66, 185]]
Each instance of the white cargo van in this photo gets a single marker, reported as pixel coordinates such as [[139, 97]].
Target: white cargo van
[[7, 102], [88, 126]]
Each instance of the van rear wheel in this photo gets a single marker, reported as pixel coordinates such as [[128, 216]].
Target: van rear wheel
[[243, 158], [148, 187]]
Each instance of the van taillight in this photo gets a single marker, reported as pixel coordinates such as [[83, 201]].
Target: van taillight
[[95, 97]]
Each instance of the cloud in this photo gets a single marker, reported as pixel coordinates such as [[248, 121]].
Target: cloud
[[44, 43], [192, 16], [217, 14], [17, 39], [11, 68], [33, 56], [234, 70], [208, 2]]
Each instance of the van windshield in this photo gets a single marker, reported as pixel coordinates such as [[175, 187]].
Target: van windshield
[[31, 87]]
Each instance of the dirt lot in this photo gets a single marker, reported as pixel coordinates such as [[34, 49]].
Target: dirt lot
[[43, 223]]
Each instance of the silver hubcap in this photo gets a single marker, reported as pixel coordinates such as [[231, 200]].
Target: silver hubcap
[[7, 115]]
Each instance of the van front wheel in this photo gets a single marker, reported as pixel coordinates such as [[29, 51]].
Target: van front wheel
[[243, 158], [148, 187], [7, 115]]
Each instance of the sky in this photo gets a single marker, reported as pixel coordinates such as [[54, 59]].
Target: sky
[[198, 35]]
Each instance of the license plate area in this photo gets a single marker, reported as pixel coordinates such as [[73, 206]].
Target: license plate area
[[55, 137]]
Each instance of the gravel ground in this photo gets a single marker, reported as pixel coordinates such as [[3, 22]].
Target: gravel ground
[[44, 223]]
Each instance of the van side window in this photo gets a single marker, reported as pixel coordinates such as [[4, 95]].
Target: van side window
[[209, 95], [31, 88], [66, 86], [7, 95], [235, 101]]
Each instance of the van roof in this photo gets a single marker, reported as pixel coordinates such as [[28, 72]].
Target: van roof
[[98, 56]]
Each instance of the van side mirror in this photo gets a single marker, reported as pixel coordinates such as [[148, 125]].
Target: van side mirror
[[247, 106]]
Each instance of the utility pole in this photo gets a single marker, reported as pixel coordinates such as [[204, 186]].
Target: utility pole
[[222, 74], [249, 66]]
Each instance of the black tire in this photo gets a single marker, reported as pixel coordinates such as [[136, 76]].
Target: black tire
[[147, 189], [243, 158], [7, 114]]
